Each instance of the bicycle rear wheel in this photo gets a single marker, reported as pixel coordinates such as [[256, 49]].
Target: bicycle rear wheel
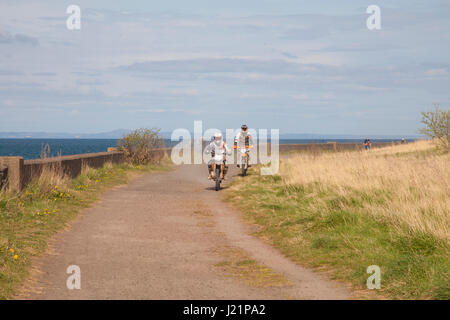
[[244, 166]]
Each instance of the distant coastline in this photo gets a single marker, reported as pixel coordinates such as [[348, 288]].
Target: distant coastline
[[31, 148]]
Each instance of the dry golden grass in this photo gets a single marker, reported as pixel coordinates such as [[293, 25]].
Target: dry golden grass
[[417, 146], [50, 177], [409, 188]]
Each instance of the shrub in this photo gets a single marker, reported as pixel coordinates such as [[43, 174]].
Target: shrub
[[139, 144], [437, 127]]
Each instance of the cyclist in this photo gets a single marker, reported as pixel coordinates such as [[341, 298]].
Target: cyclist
[[243, 140], [367, 144], [218, 149]]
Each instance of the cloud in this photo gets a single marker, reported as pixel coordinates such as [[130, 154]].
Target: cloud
[[363, 78], [306, 33], [300, 96], [363, 46], [368, 88], [437, 72], [45, 74], [288, 55], [6, 38], [219, 65], [248, 95], [6, 72]]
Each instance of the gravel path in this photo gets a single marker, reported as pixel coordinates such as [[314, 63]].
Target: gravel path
[[159, 237]]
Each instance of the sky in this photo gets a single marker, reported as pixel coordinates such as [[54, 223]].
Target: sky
[[298, 66]]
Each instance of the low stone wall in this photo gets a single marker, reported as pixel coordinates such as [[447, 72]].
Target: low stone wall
[[15, 172], [70, 166]]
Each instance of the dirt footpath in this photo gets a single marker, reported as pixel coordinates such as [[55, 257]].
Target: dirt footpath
[[168, 236]]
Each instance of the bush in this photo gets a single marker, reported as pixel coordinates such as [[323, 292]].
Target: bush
[[138, 145], [437, 127]]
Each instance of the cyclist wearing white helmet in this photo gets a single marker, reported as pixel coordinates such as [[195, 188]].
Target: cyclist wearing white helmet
[[219, 148], [243, 140]]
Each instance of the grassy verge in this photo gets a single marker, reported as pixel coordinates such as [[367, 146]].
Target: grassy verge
[[29, 219], [331, 215]]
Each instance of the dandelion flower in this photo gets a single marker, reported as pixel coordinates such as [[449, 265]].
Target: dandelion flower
[[11, 250], [16, 257]]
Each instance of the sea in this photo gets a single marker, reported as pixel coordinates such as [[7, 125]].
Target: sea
[[32, 148]]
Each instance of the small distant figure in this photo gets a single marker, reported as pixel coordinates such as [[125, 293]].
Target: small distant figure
[[367, 144], [403, 140]]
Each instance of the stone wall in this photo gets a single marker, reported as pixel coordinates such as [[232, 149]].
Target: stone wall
[[18, 172], [15, 172], [70, 166]]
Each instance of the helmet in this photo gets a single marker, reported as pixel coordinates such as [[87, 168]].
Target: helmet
[[244, 127], [217, 136]]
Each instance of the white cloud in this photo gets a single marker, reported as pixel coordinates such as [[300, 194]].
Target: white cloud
[[248, 95], [300, 96], [437, 72]]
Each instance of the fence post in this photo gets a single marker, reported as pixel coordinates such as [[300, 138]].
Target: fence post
[[15, 172]]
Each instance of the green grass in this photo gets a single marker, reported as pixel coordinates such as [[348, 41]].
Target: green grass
[[29, 219], [336, 234]]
